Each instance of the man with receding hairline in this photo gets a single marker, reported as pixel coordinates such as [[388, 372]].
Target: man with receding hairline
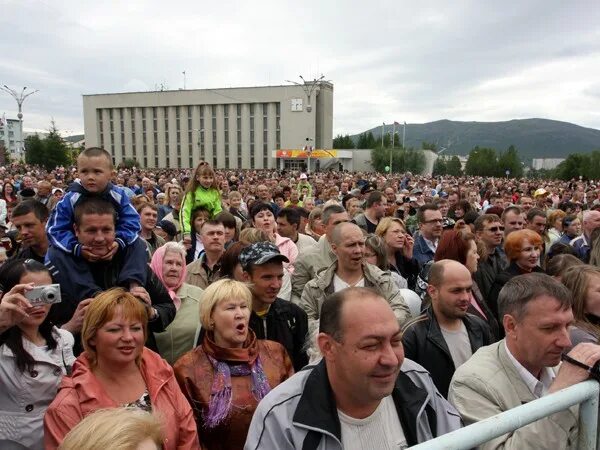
[[350, 270], [445, 335], [363, 394], [536, 313]]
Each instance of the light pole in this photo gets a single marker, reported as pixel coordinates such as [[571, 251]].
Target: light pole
[[20, 98]]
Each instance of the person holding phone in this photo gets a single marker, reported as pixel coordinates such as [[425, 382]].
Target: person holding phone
[[34, 355]]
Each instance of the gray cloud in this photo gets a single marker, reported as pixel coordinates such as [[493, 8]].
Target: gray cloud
[[388, 60]]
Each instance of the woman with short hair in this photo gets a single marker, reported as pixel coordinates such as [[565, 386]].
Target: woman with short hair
[[116, 429], [116, 370], [226, 376]]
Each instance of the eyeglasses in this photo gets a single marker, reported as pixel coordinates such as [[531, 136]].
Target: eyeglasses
[[495, 229], [434, 221]]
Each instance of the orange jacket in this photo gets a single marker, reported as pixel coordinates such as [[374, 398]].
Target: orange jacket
[[82, 394]]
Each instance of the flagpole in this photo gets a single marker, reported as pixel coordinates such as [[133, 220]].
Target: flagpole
[[403, 134], [392, 149]]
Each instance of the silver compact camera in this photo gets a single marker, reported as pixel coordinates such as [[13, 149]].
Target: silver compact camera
[[47, 294]]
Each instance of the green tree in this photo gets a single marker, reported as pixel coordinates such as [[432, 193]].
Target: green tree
[[48, 152], [428, 146], [129, 163], [362, 141], [403, 159], [573, 166], [440, 167], [509, 160], [482, 161], [343, 142], [453, 167], [4, 154]]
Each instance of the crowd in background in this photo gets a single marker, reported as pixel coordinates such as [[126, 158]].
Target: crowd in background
[[225, 309]]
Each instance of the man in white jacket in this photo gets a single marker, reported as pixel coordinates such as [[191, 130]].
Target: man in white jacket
[[362, 395]]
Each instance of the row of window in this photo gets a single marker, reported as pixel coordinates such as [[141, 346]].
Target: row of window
[[202, 108]]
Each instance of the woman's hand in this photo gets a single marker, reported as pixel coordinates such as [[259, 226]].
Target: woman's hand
[[13, 307], [409, 244], [144, 296]]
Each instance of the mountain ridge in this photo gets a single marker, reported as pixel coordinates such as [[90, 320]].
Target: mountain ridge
[[533, 138]]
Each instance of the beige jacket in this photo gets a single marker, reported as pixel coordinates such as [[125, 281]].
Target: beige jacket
[[317, 289], [309, 264], [488, 384]]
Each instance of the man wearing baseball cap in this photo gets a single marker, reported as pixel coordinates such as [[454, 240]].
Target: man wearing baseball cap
[[272, 317]]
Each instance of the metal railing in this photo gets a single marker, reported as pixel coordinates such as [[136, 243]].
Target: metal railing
[[478, 433]]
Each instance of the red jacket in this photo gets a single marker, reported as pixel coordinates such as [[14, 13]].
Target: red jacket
[[82, 394]]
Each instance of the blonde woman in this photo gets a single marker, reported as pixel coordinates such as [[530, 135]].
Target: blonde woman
[[399, 249], [116, 429], [116, 370], [226, 376], [584, 283]]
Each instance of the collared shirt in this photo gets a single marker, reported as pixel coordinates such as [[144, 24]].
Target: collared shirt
[[210, 273], [431, 244], [538, 388]]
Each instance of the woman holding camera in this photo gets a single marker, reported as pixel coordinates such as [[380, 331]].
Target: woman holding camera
[[34, 355], [117, 370]]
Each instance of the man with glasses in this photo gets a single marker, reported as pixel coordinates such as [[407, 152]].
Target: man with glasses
[[430, 222], [490, 231]]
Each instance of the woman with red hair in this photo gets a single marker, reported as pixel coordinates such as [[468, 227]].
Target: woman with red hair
[[522, 250]]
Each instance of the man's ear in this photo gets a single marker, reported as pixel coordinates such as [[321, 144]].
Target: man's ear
[[431, 290], [326, 345], [75, 229], [509, 323], [246, 276]]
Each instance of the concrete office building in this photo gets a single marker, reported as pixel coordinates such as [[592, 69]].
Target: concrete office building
[[229, 128], [10, 135]]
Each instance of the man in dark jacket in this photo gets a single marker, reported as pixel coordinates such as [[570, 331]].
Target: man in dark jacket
[[430, 230], [95, 227], [273, 318], [490, 231], [446, 336]]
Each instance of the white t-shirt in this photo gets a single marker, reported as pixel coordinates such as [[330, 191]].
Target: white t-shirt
[[382, 430], [458, 344], [339, 284]]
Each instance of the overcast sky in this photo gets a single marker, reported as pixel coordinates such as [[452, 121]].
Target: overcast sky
[[388, 60]]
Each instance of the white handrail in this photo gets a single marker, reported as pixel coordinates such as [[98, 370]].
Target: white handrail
[[473, 435]]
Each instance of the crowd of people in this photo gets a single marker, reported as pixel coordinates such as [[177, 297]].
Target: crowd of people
[[264, 309]]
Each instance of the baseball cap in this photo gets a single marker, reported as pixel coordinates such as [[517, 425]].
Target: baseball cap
[[260, 253], [167, 227], [303, 176], [540, 192]]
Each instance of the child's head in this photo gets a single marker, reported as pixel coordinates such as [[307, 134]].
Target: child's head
[[235, 199], [199, 216], [204, 176], [95, 169]]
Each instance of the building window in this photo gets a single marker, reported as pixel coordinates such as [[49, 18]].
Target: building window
[[251, 123], [251, 109], [265, 162], [225, 110], [145, 162], [178, 149], [178, 136], [265, 123], [110, 114], [277, 109], [252, 136], [177, 112], [156, 161], [179, 163], [239, 158], [214, 123], [154, 112], [214, 161], [265, 136], [278, 139], [238, 108]]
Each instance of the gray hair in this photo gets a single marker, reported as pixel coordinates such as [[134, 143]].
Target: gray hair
[[175, 247], [331, 210], [520, 290]]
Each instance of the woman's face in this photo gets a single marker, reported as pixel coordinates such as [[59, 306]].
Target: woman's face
[[558, 223], [370, 256], [174, 196], [394, 236], [472, 257], [235, 202], [592, 296], [528, 256], [37, 314], [172, 268], [458, 213], [230, 318], [574, 229], [265, 220], [353, 207], [119, 341], [8, 189]]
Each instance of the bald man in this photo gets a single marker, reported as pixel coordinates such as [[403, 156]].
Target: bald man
[[445, 335], [350, 270]]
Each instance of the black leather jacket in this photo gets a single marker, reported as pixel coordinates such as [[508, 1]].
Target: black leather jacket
[[424, 344], [287, 324]]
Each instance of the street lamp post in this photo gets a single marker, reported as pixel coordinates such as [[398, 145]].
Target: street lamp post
[[19, 98]]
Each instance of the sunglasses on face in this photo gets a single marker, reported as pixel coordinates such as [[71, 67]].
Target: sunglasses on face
[[495, 229]]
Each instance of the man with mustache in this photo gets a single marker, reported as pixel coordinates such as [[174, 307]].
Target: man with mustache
[[363, 394], [445, 335]]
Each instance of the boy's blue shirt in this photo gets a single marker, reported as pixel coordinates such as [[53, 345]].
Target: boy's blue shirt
[[60, 223]]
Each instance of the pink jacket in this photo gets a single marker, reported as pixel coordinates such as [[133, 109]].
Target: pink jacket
[[82, 394], [287, 248]]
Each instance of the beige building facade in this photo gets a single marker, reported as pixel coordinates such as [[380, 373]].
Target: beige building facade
[[232, 128]]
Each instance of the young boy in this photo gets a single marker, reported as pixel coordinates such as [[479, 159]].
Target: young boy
[[95, 168]]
